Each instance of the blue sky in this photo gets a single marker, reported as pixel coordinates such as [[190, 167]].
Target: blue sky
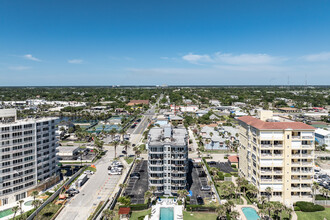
[[129, 42]]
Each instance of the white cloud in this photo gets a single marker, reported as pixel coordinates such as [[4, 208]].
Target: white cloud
[[228, 58], [19, 68], [75, 61], [325, 56], [30, 57], [197, 59]]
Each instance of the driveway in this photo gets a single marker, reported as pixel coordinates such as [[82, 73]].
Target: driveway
[[98, 188]]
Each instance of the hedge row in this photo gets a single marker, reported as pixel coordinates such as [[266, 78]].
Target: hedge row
[[200, 208], [136, 207], [309, 207]]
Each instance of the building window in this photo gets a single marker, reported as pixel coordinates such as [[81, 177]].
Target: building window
[[5, 201]]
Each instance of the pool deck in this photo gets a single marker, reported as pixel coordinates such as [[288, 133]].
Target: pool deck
[[24, 207], [167, 203]]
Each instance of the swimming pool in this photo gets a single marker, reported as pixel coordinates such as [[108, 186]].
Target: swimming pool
[[28, 203], [250, 213], [5, 213], [166, 214]]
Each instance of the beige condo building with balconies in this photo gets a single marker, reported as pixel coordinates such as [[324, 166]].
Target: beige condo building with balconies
[[279, 155]]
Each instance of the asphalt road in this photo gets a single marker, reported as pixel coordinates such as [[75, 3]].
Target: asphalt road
[[98, 188]]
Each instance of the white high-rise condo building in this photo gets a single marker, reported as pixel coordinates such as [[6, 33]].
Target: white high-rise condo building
[[168, 159], [28, 155], [279, 154]]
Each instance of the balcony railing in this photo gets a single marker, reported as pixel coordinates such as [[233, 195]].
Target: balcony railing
[[296, 137], [266, 145]]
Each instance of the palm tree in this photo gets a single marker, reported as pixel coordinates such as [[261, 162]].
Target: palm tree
[[115, 144], [15, 210], [153, 189], [34, 194], [126, 145], [36, 203], [221, 211], [21, 206], [234, 214], [72, 169], [229, 205], [251, 189], [63, 171], [108, 214], [182, 194], [213, 170], [269, 193], [147, 195], [123, 186], [314, 188], [112, 132]]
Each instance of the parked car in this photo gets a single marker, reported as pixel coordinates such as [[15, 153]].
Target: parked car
[[133, 126], [212, 163], [202, 174], [88, 172], [135, 176], [124, 152], [205, 188], [114, 171], [200, 200]]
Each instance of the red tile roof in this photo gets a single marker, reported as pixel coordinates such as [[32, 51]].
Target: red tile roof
[[137, 102], [263, 125], [124, 211], [233, 159]]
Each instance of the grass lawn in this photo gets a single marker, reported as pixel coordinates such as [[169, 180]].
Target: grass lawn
[[129, 160], [47, 212], [137, 214], [314, 215], [199, 215]]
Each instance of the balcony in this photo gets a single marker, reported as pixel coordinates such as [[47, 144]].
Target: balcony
[[307, 146], [266, 155], [266, 171], [265, 180], [278, 180], [307, 163], [278, 146], [278, 155], [308, 137], [266, 146]]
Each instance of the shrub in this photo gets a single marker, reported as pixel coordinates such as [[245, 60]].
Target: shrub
[[221, 176], [296, 208], [137, 207], [225, 157], [227, 175], [48, 193], [180, 202], [141, 217], [233, 166], [309, 207]]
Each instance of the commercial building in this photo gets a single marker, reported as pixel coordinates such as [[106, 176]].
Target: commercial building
[[167, 159], [28, 155], [322, 137], [279, 155]]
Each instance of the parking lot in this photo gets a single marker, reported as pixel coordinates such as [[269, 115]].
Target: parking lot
[[222, 166], [137, 187], [322, 179], [196, 179]]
